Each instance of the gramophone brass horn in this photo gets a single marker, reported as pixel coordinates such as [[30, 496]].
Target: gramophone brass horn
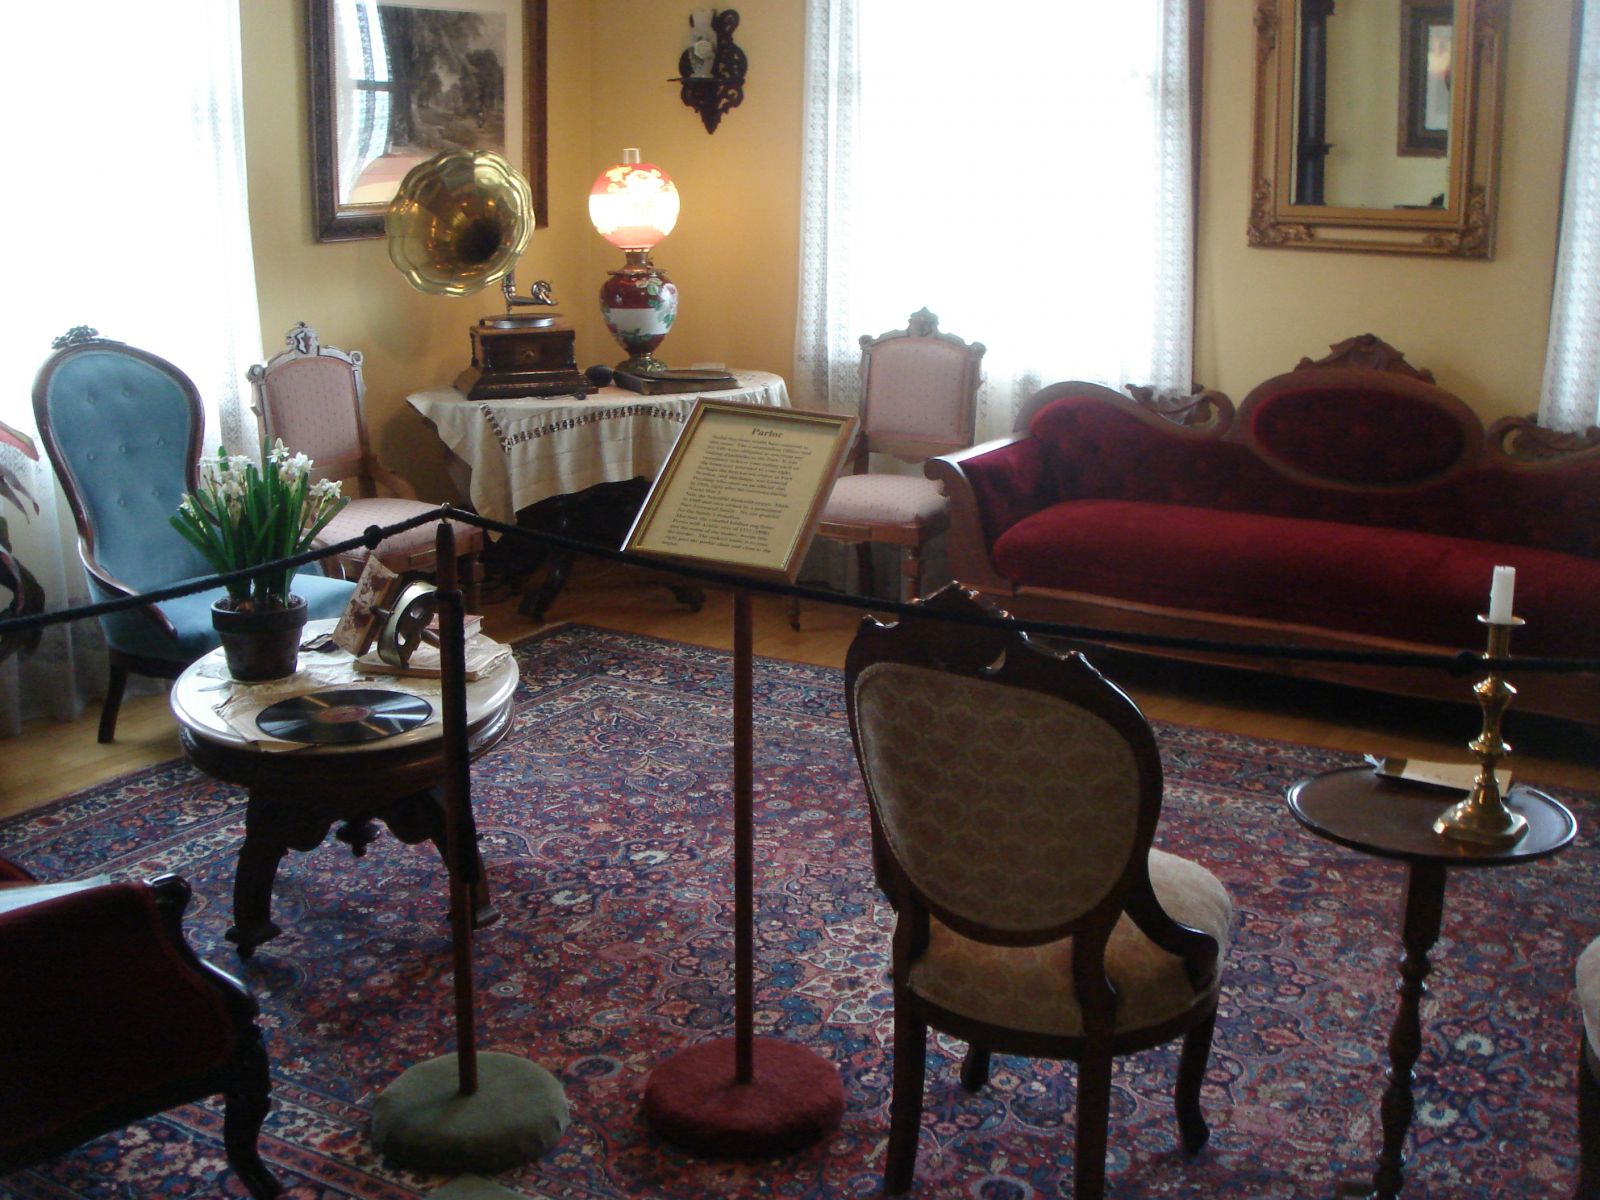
[[459, 222]]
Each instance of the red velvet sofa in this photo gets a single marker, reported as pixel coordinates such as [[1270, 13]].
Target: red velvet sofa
[[1351, 503]]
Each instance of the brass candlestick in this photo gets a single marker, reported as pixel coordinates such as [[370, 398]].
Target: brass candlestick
[[1483, 816]]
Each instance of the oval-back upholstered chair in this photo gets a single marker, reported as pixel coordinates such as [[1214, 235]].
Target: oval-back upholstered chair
[[919, 398], [123, 430], [107, 1016], [1014, 794], [311, 396]]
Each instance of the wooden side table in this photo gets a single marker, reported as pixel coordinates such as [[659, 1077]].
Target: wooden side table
[[297, 796], [1394, 819]]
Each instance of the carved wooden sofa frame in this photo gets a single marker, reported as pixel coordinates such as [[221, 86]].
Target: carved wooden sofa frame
[[994, 486]]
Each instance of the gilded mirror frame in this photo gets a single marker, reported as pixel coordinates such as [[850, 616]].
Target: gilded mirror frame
[[1462, 228]]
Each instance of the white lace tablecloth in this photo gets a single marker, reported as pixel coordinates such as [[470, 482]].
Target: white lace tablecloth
[[520, 452]]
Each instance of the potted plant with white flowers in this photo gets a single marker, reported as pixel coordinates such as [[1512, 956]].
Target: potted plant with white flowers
[[244, 514]]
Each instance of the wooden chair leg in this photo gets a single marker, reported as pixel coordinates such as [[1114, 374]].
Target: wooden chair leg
[[1094, 1115], [905, 1104], [116, 684], [794, 613], [911, 570], [245, 1108], [975, 1068], [866, 585], [1191, 1073], [471, 575], [1588, 1122]]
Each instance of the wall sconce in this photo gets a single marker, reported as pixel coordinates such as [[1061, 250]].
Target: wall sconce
[[711, 71]]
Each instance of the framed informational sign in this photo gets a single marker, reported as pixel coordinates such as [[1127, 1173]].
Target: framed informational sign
[[743, 488]]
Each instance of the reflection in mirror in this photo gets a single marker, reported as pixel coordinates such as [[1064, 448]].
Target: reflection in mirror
[[1377, 123], [1366, 67], [410, 82]]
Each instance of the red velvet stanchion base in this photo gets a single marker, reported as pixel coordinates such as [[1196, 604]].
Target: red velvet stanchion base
[[694, 1101]]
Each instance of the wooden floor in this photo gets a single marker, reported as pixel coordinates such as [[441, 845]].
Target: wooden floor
[[53, 759]]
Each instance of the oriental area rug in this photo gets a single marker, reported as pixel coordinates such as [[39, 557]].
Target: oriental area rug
[[605, 818]]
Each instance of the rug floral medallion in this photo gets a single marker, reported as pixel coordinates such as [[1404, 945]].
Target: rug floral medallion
[[606, 827]]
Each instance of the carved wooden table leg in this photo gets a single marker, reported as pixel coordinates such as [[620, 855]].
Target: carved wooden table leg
[[271, 830], [1422, 907], [420, 818]]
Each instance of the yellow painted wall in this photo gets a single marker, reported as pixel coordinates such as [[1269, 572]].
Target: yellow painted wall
[[1481, 326]]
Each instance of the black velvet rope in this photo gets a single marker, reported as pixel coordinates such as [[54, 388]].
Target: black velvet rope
[[1460, 664]]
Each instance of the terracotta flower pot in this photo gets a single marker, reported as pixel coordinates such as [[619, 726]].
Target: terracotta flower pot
[[260, 644]]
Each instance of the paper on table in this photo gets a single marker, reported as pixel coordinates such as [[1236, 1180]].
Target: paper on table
[[239, 704], [1458, 777], [482, 654]]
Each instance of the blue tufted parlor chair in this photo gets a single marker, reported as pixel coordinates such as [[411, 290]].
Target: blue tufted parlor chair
[[123, 430], [1013, 795]]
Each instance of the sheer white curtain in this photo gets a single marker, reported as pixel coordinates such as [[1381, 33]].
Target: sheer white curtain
[[127, 212], [1570, 398], [1023, 170]]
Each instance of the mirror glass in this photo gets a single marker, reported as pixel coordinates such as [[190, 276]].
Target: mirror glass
[[1372, 103], [1377, 124]]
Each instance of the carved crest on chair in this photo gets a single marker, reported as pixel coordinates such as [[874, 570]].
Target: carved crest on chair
[[302, 340], [924, 323], [1370, 351], [78, 335]]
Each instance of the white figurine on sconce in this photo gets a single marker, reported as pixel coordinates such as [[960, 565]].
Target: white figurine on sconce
[[702, 43]]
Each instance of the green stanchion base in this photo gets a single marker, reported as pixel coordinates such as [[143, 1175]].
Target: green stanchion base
[[474, 1187], [422, 1120]]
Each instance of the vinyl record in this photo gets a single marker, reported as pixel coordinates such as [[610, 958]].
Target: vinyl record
[[340, 716]]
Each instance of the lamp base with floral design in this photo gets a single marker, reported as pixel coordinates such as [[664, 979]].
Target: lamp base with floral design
[[639, 304]]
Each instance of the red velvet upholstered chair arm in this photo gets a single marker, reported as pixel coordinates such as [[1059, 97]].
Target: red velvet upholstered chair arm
[[106, 1016], [989, 488]]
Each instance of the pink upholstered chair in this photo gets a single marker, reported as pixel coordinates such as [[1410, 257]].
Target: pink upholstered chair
[[919, 398], [1014, 794], [311, 396]]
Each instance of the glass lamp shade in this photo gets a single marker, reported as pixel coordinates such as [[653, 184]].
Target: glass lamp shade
[[634, 204]]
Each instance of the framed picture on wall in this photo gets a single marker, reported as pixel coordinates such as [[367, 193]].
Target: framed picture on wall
[[393, 82], [1427, 50]]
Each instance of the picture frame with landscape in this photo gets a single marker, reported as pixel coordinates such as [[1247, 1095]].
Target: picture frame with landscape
[[394, 82]]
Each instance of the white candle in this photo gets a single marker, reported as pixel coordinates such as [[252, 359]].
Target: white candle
[[1505, 580]]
